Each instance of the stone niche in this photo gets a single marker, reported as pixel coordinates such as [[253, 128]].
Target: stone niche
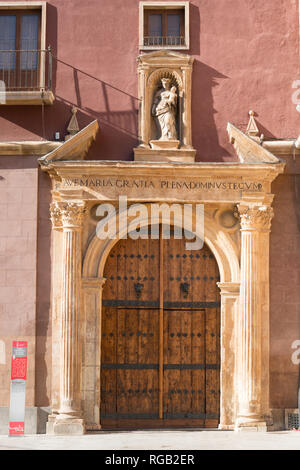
[[165, 90]]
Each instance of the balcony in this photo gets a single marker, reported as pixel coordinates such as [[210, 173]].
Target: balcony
[[164, 41], [26, 77]]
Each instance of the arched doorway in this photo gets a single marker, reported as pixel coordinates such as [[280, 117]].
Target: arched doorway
[[160, 345]]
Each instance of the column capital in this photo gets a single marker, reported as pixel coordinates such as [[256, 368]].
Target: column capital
[[256, 218], [67, 214], [55, 216]]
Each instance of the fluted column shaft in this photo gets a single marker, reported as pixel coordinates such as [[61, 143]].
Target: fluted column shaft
[[255, 223], [68, 217]]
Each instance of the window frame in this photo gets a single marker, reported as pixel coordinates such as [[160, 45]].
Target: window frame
[[144, 10]]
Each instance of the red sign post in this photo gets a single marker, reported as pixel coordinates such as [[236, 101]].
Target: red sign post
[[18, 388]]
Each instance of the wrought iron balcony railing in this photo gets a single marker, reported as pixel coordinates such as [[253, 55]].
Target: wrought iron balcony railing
[[164, 41], [26, 70]]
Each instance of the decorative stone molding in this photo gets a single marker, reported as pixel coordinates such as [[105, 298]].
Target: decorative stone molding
[[93, 282], [28, 148]]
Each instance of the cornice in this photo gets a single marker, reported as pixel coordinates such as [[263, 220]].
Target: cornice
[[28, 147]]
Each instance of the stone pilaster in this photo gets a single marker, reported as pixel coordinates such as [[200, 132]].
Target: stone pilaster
[[229, 310], [91, 367], [55, 216], [69, 419], [253, 321]]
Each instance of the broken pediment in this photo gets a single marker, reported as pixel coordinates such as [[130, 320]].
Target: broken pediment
[[248, 149], [74, 148]]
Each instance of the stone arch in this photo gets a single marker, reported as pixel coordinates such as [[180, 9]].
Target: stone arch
[[220, 243]]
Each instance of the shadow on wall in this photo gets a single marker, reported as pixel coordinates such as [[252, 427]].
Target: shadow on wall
[[204, 131], [117, 114]]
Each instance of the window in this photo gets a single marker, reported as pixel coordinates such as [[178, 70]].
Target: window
[[25, 64], [19, 46], [164, 25]]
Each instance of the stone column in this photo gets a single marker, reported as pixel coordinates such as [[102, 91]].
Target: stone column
[[69, 419], [253, 322]]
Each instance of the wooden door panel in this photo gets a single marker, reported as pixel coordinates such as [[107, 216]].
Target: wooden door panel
[[129, 363], [108, 335], [160, 348], [108, 392], [137, 394], [132, 272], [137, 336], [184, 364]]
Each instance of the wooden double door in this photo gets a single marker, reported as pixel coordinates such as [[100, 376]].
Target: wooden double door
[[160, 345]]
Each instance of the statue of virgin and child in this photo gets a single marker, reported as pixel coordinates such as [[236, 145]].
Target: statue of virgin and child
[[164, 109]]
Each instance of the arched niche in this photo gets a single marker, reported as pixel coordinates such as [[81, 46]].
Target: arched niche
[[154, 86], [152, 67]]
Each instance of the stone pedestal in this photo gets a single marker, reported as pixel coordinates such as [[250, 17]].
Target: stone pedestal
[[164, 144], [147, 154], [253, 389]]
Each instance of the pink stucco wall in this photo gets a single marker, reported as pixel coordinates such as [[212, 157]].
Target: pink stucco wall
[[18, 260], [246, 57]]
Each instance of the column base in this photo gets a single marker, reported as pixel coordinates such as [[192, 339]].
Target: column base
[[50, 423], [226, 427], [250, 424], [70, 427]]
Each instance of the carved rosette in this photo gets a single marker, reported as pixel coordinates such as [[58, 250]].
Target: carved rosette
[[256, 218]]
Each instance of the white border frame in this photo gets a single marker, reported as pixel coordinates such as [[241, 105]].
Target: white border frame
[[164, 5]]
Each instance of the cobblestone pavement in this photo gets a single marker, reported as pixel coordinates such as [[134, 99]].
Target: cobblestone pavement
[[157, 440]]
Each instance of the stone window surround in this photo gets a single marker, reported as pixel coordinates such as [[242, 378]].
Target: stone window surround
[[164, 5], [26, 97]]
